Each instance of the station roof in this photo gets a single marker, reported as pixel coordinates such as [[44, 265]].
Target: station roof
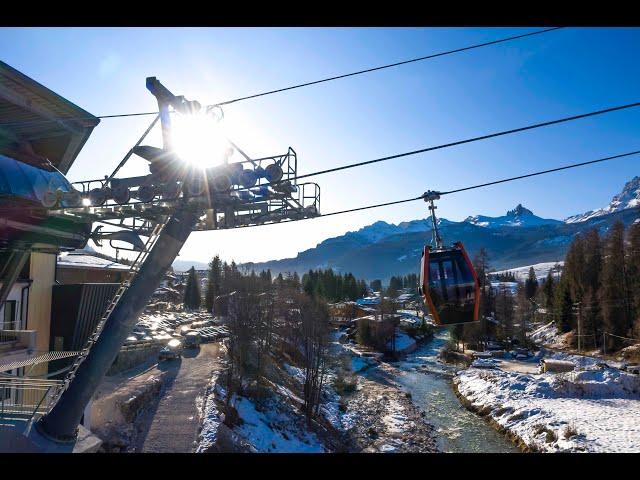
[[85, 260], [51, 125]]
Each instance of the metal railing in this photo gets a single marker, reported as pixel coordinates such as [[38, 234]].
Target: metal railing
[[23, 338], [26, 398], [8, 336]]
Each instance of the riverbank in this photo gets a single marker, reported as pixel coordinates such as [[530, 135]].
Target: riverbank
[[594, 410]]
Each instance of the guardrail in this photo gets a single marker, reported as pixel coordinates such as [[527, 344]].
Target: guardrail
[[22, 397]]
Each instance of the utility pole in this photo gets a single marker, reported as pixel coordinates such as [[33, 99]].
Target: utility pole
[[579, 314]]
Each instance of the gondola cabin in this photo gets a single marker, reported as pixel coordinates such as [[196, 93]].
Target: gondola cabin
[[449, 285]]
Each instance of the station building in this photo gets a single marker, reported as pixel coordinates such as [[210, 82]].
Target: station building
[[41, 134]]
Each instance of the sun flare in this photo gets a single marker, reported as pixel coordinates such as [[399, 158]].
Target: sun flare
[[200, 140]]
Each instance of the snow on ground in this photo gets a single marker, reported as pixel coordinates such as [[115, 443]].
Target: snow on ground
[[273, 429], [211, 421], [548, 335], [395, 420], [403, 342], [295, 372], [596, 410]]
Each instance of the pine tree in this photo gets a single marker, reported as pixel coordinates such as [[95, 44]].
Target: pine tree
[[531, 284], [192, 291], [548, 289], [487, 300], [574, 268], [592, 273], [563, 305], [633, 274], [214, 283], [613, 293]]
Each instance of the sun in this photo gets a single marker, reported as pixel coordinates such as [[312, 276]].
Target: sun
[[199, 140]]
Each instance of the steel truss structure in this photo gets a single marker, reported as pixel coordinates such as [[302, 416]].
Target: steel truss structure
[[228, 196]]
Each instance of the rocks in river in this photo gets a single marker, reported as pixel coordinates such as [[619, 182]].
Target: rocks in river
[[385, 419]]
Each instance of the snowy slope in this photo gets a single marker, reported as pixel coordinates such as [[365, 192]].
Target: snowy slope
[[628, 198], [541, 269], [518, 217]]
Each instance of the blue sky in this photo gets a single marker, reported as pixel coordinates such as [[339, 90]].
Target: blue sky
[[539, 78]]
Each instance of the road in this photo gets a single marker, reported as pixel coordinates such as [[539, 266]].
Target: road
[[172, 426]]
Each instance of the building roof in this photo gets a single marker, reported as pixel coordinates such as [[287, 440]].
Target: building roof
[[83, 259], [51, 125]]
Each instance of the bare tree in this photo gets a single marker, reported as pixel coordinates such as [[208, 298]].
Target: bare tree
[[314, 331]]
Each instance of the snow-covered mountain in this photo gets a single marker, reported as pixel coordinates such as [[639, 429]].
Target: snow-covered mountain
[[628, 198], [517, 238], [377, 231], [518, 217]]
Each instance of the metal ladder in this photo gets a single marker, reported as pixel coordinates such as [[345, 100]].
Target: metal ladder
[[126, 283]]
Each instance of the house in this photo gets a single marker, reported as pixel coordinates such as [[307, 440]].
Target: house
[[344, 312], [377, 330]]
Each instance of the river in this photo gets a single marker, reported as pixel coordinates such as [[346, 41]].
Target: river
[[429, 382]]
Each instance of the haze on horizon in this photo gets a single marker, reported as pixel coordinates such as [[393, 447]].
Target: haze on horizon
[[562, 73]]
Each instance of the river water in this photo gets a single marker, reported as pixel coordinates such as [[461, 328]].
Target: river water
[[429, 382]]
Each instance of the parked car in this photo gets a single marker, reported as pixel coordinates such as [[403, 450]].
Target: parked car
[[631, 368], [481, 355], [192, 339], [185, 329], [484, 363], [171, 351], [130, 340]]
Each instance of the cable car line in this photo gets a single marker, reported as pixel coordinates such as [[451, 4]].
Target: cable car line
[[315, 82], [551, 170], [462, 189], [473, 139], [390, 65]]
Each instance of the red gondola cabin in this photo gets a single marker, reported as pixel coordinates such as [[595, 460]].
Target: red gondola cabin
[[449, 285]]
